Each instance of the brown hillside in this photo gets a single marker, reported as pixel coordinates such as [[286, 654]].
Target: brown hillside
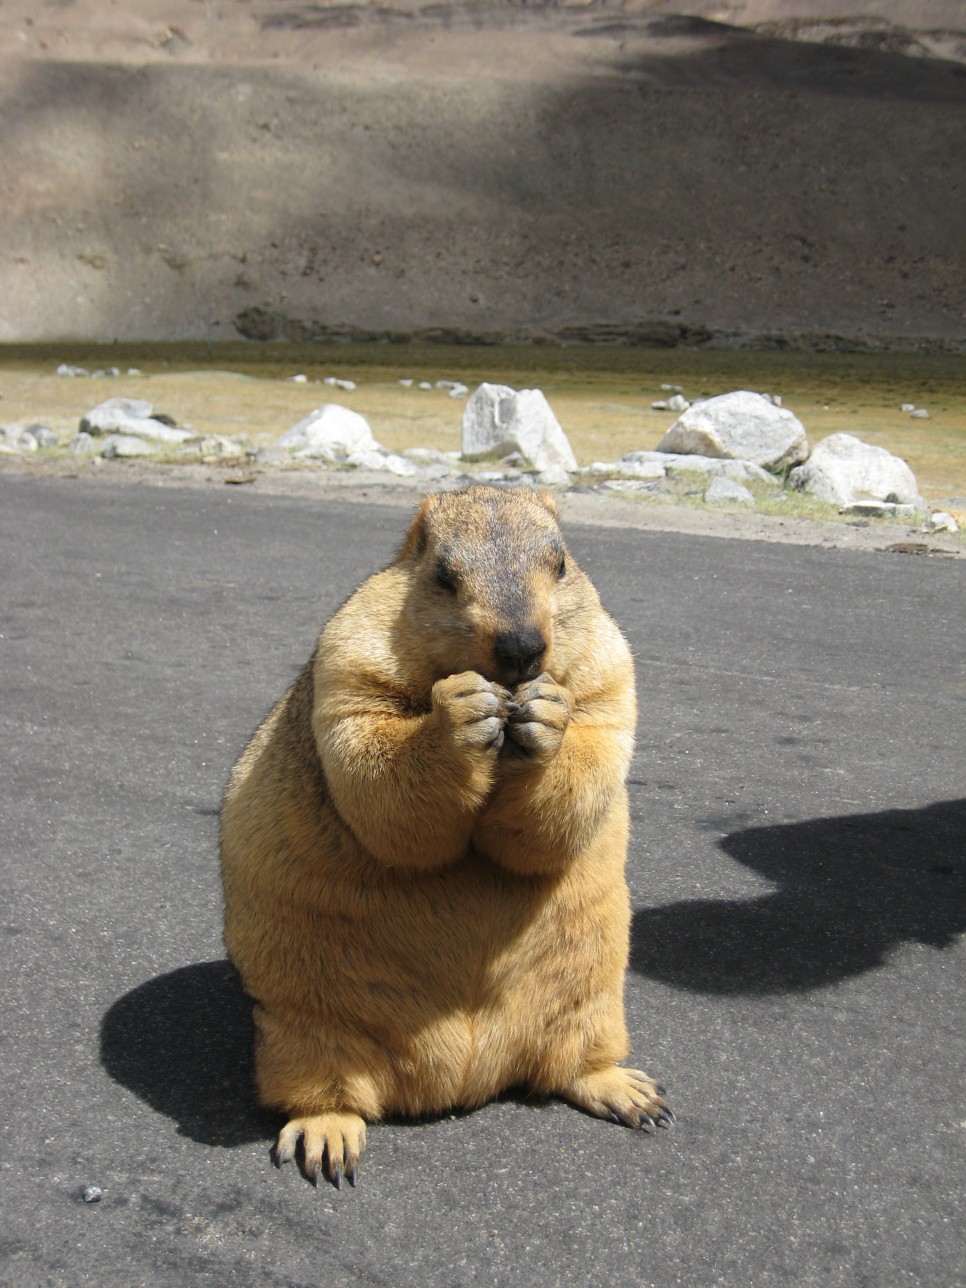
[[179, 170]]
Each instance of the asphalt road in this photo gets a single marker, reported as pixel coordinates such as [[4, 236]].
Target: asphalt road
[[797, 869]]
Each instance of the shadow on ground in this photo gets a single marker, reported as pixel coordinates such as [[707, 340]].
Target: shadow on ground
[[184, 1043], [848, 892]]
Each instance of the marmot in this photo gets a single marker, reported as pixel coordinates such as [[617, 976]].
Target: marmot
[[423, 846]]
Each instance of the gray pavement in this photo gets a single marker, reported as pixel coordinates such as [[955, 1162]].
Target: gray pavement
[[797, 869]]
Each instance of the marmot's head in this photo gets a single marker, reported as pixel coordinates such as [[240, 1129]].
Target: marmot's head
[[491, 581]]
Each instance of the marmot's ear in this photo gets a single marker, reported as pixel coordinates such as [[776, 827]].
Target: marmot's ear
[[415, 542], [549, 502]]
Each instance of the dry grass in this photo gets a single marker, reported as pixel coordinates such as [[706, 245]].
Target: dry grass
[[602, 397]]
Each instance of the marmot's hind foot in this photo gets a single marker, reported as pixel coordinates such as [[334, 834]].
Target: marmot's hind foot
[[335, 1141], [625, 1096]]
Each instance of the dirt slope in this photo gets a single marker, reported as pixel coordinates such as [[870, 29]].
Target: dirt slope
[[183, 170]]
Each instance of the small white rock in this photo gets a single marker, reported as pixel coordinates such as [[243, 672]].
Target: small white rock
[[212, 445], [554, 476], [43, 436], [723, 491], [940, 521], [630, 467], [127, 445], [426, 456], [630, 487], [365, 459]]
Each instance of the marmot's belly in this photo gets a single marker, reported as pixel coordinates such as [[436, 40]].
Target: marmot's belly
[[461, 1036], [442, 991]]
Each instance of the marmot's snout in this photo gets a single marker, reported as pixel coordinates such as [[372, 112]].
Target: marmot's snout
[[519, 654]]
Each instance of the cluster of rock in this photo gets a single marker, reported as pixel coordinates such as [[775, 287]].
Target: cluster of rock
[[454, 388], [130, 427], [718, 449], [17, 439], [728, 442], [335, 435], [68, 369]]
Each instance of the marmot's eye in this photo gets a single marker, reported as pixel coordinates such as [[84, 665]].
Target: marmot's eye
[[445, 577], [562, 568]]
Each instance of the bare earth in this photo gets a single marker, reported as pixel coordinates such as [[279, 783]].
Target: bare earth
[[634, 173]]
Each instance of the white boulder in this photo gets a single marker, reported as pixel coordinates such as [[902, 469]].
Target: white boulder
[[130, 416], [741, 426], [843, 471], [498, 420], [330, 433]]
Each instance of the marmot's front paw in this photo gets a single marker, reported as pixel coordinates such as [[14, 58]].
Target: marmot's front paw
[[539, 721], [474, 709]]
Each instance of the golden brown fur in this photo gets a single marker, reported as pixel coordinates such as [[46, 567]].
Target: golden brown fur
[[423, 846]]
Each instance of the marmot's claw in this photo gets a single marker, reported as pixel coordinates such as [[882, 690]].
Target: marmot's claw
[[620, 1095], [331, 1143]]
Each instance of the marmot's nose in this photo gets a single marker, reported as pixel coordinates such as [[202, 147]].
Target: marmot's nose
[[518, 654]]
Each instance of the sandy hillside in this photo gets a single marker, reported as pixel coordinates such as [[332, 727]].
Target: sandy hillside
[[762, 170]]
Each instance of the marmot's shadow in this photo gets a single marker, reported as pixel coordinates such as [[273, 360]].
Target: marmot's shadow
[[184, 1042], [849, 891]]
